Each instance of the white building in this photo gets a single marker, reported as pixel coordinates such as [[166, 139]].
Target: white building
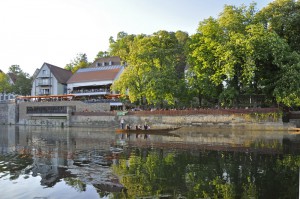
[[50, 80]]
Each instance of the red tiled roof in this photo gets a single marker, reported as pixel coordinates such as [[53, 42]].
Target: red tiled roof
[[92, 76]]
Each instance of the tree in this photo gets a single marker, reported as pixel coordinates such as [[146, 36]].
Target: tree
[[238, 55], [5, 86], [80, 61], [283, 17], [287, 88], [22, 84], [101, 54], [121, 46], [150, 75], [15, 69]]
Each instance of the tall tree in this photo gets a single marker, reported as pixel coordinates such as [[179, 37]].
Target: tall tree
[[23, 83], [121, 46], [102, 54], [80, 61], [151, 74], [15, 69], [5, 86], [237, 54], [283, 17]]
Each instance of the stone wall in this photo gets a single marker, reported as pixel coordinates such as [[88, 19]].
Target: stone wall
[[56, 119], [7, 113], [211, 121]]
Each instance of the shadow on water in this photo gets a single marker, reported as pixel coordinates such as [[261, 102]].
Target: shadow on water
[[188, 163]]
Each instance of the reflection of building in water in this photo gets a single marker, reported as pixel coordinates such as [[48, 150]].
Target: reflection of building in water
[[60, 154], [9, 139]]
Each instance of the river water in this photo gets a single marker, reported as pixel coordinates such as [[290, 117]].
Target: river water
[[46, 163]]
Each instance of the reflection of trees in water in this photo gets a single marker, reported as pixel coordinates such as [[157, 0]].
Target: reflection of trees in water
[[15, 165], [209, 174], [76, 183]]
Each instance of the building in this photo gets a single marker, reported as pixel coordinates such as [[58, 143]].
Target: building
[[94, 83], [50, 80]]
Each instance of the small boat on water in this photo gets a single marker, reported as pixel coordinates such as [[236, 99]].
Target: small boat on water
[[148, 131]]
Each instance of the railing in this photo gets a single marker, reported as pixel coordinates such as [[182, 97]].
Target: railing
[[204, 111], [44, 84], [183, 112], [91, 91], [102, 101]]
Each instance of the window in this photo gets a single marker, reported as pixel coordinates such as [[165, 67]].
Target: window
[[98, 64], [44, 72], [45, 91], [45, 81]]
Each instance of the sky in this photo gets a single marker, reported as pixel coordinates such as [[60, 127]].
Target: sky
[[56, 31]]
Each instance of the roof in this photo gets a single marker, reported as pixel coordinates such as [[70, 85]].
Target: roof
[[106, 61], [108, 73], [13, 77], [62, 75]]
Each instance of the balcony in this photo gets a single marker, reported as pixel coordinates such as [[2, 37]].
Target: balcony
[[44, 84], [89, 92]]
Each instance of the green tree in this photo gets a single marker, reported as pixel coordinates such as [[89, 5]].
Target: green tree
[[287, 90], [121, 46], [23, 83], [15, 69], [101, 54], [283, 17], [80, 61], [150, 75], [5, 86], [236, 54]]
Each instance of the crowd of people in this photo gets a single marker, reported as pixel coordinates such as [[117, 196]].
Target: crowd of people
[[136, 127]]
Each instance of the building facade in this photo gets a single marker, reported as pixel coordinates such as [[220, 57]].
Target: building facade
[[50, 80]]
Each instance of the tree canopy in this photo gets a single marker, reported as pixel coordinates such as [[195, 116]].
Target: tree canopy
[[80, 61], [242, 52], [22, 84], [154, 65]]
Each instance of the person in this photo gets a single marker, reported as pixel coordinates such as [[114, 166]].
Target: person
[[122, 123]]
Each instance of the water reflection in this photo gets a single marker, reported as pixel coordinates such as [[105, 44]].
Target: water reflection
[[188, 163]]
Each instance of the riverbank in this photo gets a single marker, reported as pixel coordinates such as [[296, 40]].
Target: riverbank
[[76, 113]]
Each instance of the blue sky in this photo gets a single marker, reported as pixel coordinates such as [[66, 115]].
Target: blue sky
[[55, 31]]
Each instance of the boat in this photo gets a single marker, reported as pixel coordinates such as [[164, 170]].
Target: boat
[[148, 131]]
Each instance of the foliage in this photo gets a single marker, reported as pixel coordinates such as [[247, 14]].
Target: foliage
[[101, 54], [211, 174], [22, 84], [5, 86], [238, 55], [283, 17], [80, 61], [153, 66]]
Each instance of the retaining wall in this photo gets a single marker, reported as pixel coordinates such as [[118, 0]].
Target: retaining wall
[[7, 113]]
